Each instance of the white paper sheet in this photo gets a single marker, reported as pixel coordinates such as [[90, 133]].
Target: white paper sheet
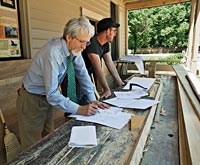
[[131, 103], [145, 82], [138, 61], [112, 117], [130, 94], [83, 136], [132, 58], [140, 66]]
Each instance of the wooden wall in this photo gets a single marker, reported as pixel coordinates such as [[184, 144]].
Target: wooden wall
[[47, 18], [11, 74], [41, 20]]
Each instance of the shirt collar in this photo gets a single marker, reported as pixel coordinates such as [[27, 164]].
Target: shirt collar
[[66, 51]]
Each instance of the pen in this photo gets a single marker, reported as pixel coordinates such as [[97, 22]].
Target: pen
[[93, 107]]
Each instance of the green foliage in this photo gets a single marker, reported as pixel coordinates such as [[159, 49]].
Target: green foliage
[[177, 56], [165, 26]]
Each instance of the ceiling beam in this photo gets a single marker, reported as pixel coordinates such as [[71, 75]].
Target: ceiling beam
[[134, 5]]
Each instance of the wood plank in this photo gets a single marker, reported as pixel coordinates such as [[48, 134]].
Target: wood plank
[[119, 142], [11, 74], [195, 83], [194, 26], [183, 145], [151, 3], [159, 106], [137, 122], [44, 34], [136, 156], [48, 26], [181, 74], [38, 43], [192, 126], [90, 14], [13, 68]]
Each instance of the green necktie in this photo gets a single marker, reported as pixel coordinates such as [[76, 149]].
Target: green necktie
[[71, 84]]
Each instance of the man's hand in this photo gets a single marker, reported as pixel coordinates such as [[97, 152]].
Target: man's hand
[[122, 83], [87, 110], [105, 94], [101, 105], [91, 108]]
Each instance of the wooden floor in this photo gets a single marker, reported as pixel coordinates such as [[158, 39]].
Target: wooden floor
[[162, 147]]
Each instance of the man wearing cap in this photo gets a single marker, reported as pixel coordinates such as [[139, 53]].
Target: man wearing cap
[[99, 48]]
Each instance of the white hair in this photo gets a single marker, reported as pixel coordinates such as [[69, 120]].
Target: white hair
[[77, 26]]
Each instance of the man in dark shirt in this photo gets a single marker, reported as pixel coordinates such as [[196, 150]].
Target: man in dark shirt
[[99, 48]]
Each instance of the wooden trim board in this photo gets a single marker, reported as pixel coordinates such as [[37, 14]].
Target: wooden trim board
[[181, 74], [137, 153], [191, 123]]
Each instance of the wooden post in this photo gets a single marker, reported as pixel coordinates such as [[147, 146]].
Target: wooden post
[[152, 69]]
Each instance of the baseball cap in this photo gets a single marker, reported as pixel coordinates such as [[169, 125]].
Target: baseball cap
[[105, 24]]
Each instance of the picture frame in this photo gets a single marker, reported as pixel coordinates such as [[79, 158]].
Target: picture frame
[[8, 3]]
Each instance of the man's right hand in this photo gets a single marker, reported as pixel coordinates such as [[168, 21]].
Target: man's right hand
[[88, 110]]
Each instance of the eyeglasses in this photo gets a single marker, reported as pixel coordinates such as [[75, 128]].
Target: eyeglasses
[[115, 30], [87, 43]]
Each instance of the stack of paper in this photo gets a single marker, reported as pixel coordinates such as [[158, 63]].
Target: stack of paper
[[130, 94], [83, 136], [112, 117], [141, 81], [131, 103], [132, 58], [131, 98]]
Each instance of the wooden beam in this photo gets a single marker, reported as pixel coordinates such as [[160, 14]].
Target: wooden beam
[[195, 83], [151, 3], [181, 74], [191, 34], [192, 126], [196, 33], [136, 156], [184, 157]]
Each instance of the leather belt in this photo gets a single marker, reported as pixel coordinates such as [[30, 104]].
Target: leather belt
[[29, 92]]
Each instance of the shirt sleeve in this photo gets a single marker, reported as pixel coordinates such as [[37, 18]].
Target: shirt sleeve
[[50, 70]]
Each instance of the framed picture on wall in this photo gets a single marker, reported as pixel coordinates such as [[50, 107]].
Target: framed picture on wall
[[10, 43], [8, 3]]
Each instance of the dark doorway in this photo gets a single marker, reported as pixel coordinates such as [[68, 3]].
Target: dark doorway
[[114, 48], [94, 24]]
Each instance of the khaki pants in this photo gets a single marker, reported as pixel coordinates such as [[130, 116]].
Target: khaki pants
[[35, 117]]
